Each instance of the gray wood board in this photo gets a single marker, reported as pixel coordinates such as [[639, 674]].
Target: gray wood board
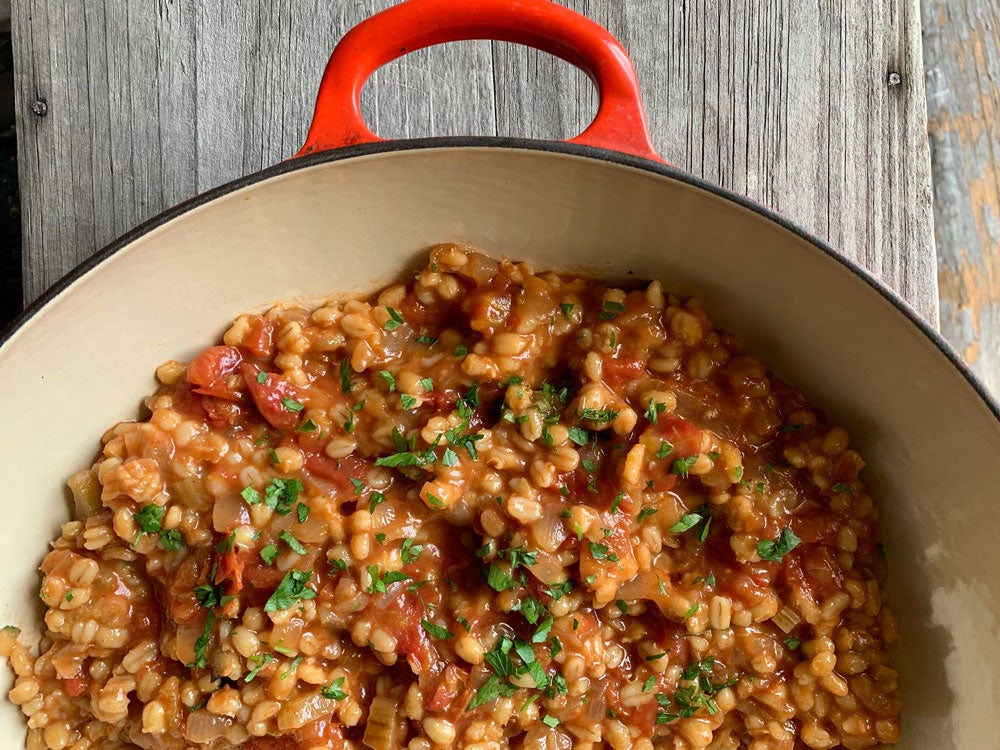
[[962, 48], [791, 103]]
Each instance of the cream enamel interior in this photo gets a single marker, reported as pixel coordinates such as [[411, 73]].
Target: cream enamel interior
[[87, 359]]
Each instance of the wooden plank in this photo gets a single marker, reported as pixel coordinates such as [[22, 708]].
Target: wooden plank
[[788, 104], [962, 48]]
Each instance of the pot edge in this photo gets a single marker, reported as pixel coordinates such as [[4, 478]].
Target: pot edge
[[562, 147]]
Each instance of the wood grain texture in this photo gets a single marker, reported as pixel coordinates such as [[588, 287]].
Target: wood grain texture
[[787, 102], [962, 47]]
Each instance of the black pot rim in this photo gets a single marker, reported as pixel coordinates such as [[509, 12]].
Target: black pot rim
[[562, 147]]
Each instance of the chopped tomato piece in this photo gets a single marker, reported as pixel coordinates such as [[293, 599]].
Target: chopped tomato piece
[[75, 685], [683, 435], [617, 372], [340, 471], [259, 340], [213, 373], [273, 397], [452, 682]]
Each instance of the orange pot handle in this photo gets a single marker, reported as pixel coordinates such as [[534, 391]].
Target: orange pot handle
[[620, 124]]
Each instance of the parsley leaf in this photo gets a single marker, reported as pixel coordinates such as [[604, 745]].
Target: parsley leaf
[[498, 580], [395, 319], [291, 589], [258, 662], [773, 551], [292, 405], [410, 551], [292, 542], [681, 466], [388, 378], [333, 691], [436, 631], [489, 691]]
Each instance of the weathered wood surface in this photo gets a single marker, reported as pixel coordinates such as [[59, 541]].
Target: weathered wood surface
[[962, 50], [815, 109]]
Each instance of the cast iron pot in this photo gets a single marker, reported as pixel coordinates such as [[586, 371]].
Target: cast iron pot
[[352, 212]]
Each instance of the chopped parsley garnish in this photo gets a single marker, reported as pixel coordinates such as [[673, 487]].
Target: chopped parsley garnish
[[292, 405], [379, 584], [280, 495], [550, 721], [345, 376], [567, 308], [710, 579], [395, 319], [426, 340], [171, 539], [350, 423], [701, 517], [334, 691], [681, 466], [559, 590], [498, 580], [531, 609], [258, 662], [406, 455], [273, 456], [374, 500], [648, 684], [521, 556], [610, 310], [602, 416], [664, 450], [841, 487], [792, 643], [464, 623], [292, 667], [774, 551], [461, 350], [269, 553], [433, 500], [427, 383], [380, 538], [148, 518], [407, 401], [494, 687], [600, 552], [654, 409], [617, 501], [622, 606], [410, 551], [210, 595], [301, 512], [579, 435], [295, 545], [307, 426], [337, 565], [291, 589], [201, 645], [436, 631], [262, 377], [691, 611], [250, 495], [389, 379], [449, 457]]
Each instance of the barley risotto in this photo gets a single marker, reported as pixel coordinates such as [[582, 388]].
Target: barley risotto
[[489, 508]]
